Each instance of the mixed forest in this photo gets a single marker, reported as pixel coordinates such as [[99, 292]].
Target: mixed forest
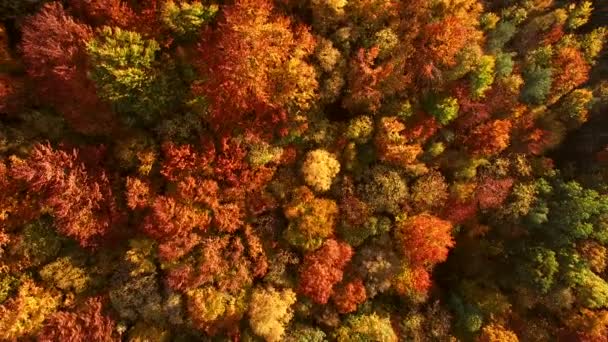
[[303, 170]]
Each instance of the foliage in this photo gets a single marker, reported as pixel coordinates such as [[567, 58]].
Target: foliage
[[319, 169], [259, 170], [270, 311], [366, 327]]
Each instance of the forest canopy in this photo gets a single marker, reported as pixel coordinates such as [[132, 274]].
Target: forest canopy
[[303, 170]]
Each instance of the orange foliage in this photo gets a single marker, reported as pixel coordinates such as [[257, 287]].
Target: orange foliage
[[348, 296], [571, 70], [87, 323], [242, 59], [425, 240], [366, 82], [489, 138]]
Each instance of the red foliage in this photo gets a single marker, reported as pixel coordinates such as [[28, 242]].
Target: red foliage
[[322, 269], [458, 212], [87, 323], [103, 12], [12, 95], [82, 204], [347, 297], [425, 239], [54, 53], [491, 193], [470, 113]]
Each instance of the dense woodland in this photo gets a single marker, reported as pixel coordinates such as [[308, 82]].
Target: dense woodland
[[303, 170]]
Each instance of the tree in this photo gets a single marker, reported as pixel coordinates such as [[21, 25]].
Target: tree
[[212, 311], [322, 269], [87, 323], [54, 52], [347, 297], [186, 19], [125, 70], [483, 76], [445, 110], [25, 313], [424, 239], [81, 203], [104, 12], [269, 312], [489, 138], [571, 70], [311, 220], [254, 63], [496, 333], [429, 192], [392, 143], [383, 189], [371, 327], [319, 169]]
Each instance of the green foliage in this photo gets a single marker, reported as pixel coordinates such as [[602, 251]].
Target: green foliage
[[537, 84], [126, 72], [185, 19], [360, 129], [577, 213], [504, 64], [483, 76], [8, 284], [501, 35], [445, 109], [574, 107], [541, 268], [579, 14]]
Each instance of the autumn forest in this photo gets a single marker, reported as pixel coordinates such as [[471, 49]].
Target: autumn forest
[[304, 170]]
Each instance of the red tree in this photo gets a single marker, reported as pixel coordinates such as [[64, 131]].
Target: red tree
[[322, 269], [82, 203], [87, 323], [54, 52]]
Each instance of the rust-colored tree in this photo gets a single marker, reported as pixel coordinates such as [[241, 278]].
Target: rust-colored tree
[[254, 65], [54, 53], [81, 202], [87, 323], [322, 269]]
